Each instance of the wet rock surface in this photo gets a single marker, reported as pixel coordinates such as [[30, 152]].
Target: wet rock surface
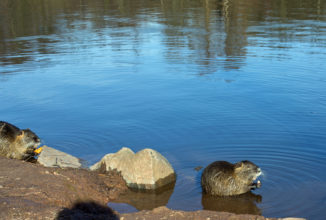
[[50, 157], [147, 169]]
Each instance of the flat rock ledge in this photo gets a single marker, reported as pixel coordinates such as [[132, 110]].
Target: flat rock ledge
[[145, 170], [50, 157]]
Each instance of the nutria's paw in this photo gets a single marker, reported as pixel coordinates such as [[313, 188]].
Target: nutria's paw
[[256, 185]]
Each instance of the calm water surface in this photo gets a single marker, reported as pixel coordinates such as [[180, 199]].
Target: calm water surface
[[198, 81]]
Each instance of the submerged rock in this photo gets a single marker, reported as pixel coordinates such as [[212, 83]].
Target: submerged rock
[[147, 169], [50, 157]]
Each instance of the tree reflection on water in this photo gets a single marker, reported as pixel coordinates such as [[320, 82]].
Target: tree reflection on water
[[210, 33]]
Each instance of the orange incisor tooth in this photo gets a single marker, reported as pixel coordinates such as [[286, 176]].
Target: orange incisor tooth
[[38, 150]]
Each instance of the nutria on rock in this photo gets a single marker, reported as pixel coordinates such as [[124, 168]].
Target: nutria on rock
[[16, 143], [222, 178]]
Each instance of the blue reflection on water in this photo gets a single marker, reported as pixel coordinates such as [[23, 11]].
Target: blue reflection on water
[[182, 90]]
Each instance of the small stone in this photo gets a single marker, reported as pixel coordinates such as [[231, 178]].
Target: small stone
[[160, 209], [50, 157]]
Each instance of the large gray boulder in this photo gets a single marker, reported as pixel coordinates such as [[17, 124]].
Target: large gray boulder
[[50, 157], [147, 169]]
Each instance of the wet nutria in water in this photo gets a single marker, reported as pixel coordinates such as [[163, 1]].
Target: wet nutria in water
[[222, 178], [16, 143]]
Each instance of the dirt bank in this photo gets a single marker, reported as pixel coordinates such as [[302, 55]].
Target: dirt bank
[[31, 191]]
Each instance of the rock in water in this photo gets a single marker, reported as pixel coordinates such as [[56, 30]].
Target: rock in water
[[147, 169], [50, 157]]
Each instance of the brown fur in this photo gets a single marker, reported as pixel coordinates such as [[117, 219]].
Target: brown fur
[[16, 143], [222, 178]]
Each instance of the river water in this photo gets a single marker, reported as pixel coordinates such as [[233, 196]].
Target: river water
[[196, 80]]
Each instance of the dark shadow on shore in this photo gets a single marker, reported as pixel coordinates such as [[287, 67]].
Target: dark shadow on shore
[[87, 211], [241, 204]]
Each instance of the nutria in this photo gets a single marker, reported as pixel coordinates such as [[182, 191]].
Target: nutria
[[16, 143], [222, 178]]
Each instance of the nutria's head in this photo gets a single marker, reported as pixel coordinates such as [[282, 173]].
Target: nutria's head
[[247, 170], [27, 142]]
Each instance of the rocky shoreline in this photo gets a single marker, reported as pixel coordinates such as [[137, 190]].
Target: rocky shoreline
[[31, 191]]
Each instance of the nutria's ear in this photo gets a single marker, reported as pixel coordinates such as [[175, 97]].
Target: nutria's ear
[[238, 166], [21, 133]]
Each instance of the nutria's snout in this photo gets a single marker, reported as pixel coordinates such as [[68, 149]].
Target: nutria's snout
[[30, 151], [257, 184], [260, 172], [32, 146]]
